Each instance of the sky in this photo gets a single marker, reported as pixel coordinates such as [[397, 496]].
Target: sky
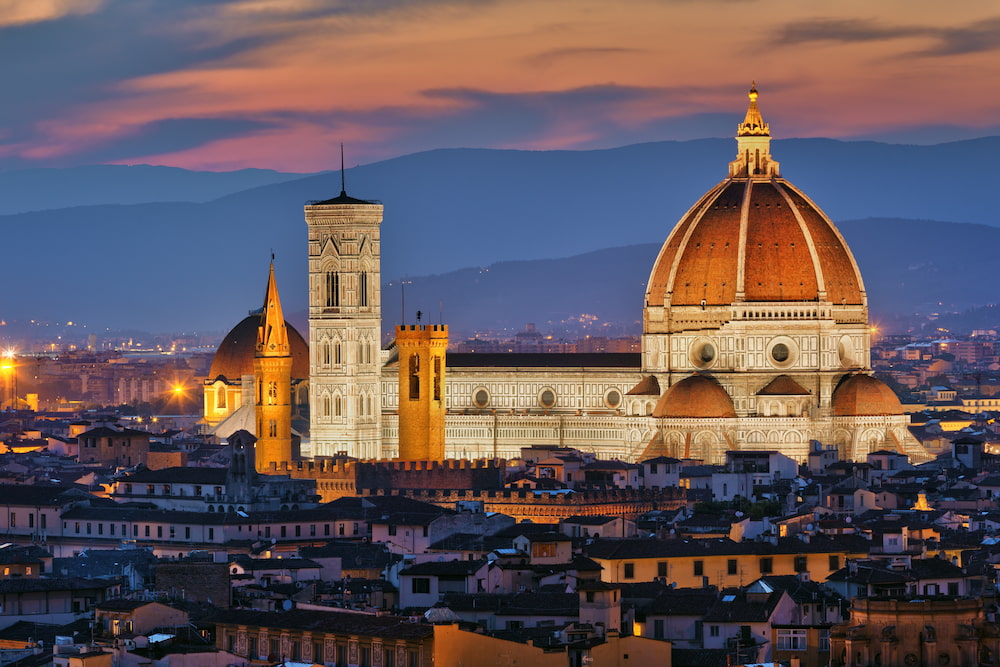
[[227, 84]]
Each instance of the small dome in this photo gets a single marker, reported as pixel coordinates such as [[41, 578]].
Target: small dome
[[862, 395], [234, 357], [699, 397]]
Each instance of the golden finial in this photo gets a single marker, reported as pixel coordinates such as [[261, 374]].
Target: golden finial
[[753, 91]]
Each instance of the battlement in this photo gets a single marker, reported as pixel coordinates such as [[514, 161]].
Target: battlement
[[549, 507], [421, 332]]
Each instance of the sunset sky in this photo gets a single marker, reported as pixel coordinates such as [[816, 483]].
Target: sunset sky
[[226, 84]]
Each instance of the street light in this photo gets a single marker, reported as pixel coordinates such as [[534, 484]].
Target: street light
[[9, 368]]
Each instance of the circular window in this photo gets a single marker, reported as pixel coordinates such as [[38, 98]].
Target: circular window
[[547, 398], [703, 353], [481, 397], [613, 398], [782, 352], [845, 349]]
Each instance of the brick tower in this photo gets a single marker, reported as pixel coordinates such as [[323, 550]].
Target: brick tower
[[421, 391]]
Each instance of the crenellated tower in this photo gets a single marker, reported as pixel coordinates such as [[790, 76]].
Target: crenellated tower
[[345, 317], [273, 390], [422, 405]]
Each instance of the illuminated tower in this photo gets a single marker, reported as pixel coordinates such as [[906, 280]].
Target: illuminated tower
[[421, 391], [344, 326], [273, 375]]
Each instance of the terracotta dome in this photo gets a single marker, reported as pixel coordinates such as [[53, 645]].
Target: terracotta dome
[[234, 357], [697, 396], [862, 395], [754, 237]]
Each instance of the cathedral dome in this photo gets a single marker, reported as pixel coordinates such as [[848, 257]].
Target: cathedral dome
[[234, 357], [754, 238], [698, 397], [861, 395]]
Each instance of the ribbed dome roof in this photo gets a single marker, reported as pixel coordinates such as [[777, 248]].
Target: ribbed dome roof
[[754, 237], [697, 396], [862, 395], [236, 352]]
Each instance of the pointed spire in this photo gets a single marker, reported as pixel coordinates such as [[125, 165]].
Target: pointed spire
[[272, 334], [343, 185], [753, 139]]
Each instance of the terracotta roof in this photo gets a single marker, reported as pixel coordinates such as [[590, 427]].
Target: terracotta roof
[[860, 395], [783, 386], [697, 396], [235, 354], [791, 250], [648, 386]]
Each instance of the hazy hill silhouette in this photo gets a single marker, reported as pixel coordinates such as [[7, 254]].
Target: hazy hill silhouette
[[183, 266]]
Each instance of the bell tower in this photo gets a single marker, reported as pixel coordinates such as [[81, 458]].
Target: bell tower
[[273, 377], [345, 318], [422, 405]]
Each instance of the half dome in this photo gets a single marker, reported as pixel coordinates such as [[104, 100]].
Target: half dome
[[861, 395], [234, 357], [698, 397]]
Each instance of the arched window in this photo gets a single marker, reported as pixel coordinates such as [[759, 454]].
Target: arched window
[[337, 353], [415, 377], [272, 393], [325, 353], [220, 398], [363, 289], [272, 428], [337, 406], [327, 403], [332, 289]]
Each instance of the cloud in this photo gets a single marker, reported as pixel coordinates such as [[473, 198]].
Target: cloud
[[978, 36], [23, 12], [547, 58]]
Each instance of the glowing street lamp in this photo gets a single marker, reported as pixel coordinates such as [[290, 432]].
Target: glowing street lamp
[[8, 366]]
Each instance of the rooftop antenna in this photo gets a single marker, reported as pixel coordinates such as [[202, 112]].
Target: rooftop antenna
[[343, 187]]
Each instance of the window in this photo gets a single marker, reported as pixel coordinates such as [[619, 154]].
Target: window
[[437, 378], [159, 531], [834, 562], [211, 533], [713, 631], [731, 566], [363, 288], [44, 521], [661, 568], [332, 289], [147, 531], [421, 585], [658, 628], [628, 570], [699, 568], [766, 565], [13, 520], [801, 564], [824, 639], [792, 640], [272, 428], [415, 377], [392, 531]]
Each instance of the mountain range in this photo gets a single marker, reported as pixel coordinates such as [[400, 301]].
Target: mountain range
[[495, 238]]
